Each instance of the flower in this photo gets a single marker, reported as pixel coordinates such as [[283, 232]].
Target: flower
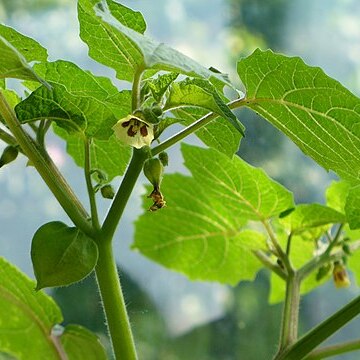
[[134, 131], [340, 276]]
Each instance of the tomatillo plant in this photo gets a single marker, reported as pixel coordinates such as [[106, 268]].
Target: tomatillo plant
[[203, 226]]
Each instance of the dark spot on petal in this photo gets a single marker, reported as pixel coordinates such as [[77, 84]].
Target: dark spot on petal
[[131, 132], [125, 124], [143, 131]]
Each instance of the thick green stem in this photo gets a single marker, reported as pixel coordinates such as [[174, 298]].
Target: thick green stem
[[47, 170], [113, 303], [290, 319], [320, 333], [333, 350], [124, 192]]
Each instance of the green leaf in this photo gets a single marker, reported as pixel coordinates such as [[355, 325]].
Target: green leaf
[[200, 93], [27, 317], [201, 232], [159, 85], [78, 102], [27, 47], [110, 156], [28, 323], [61, 255], [307, 216], [316, 112], [352, 207], [115, 39], [218, 134], [336, 195], [80, 343], [16, 51]]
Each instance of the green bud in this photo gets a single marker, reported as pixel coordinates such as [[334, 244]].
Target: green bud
[[346, 249], [323, 271], [153, 170], [107, 191], [157, 110], [164, 158], [9, 154]]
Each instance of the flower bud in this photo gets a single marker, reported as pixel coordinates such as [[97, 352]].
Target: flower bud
[[323, 271], [164, 158], [107, 191], [340, 276], [153, 170], [9, 154]]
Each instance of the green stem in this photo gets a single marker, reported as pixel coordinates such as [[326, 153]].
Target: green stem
[[90, 189], [269, 264], [333, 350], [113, 303], [320, 333], [7, 138], [136, 88], [47, 170], [123, 194], [290, 319], [196, 125]]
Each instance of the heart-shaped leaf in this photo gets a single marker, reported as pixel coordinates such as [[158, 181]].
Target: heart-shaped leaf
[[61, 255]]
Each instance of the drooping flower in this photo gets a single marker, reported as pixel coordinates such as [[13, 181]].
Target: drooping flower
[[340, 276], [134, 131]]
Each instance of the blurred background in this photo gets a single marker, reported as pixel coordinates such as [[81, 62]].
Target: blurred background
[[173, 318]]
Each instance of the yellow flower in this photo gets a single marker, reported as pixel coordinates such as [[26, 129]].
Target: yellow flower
[[340, 276], [134, 131]]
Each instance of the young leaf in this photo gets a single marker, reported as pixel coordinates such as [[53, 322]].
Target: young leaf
[[200, 93], [306, 216], [316, 112], [159, 85], [219, 134], [61, 255], [352, 207], [336, 195], [201, 231], [119, 42], [80, 343]]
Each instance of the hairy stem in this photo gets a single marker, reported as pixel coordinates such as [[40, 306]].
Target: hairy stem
[[90, 188], [47, 170], [290, 319], [316, 336], [264, 258], [333, 350], [114, 303], [122, 196]]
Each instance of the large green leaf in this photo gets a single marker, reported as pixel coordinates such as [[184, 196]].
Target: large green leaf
[[218, 134], [27, 321], [78, 101], [16, 51], [61, 255], [201, 232], [316, 112], [115, 38], [200, 93], [26, 318]]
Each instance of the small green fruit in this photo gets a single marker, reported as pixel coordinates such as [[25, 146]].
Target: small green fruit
[[153, 170], [9, 154], [107, 192]]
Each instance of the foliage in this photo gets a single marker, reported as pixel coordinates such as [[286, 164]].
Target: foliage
[[223, 222]]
